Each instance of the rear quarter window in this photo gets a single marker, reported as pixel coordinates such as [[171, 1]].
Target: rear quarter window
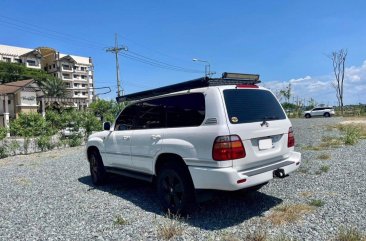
[[252, 105]]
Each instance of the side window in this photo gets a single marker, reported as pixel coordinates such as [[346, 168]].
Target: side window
[[185, 110], [150, 115], [315, 109], [126, 119]]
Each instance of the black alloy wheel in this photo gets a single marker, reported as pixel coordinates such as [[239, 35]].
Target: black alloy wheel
[[97, 170], [175, 189]]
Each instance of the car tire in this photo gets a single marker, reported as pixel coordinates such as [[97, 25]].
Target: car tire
[[175, 188], [326, 114], [97, 170], [307, 116]]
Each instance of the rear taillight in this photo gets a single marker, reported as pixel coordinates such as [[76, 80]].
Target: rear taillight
[[291, 138], [227, 148]]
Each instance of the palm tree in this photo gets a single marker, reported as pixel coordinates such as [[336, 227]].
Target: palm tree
[[54, 87]]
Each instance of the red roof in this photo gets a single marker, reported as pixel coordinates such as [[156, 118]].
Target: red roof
[[13, 87]]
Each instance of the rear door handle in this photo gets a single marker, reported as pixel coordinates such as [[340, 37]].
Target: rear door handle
[[126, 138], [155, 137]]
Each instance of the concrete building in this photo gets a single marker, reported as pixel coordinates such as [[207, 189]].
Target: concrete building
[[18, 97], [76, 71]]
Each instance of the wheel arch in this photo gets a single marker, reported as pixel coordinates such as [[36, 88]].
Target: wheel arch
[[167, 158], [90, 150]]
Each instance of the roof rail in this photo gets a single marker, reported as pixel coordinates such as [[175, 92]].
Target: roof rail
[[226, 79]]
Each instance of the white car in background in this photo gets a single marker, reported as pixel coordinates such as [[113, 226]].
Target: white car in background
[[320, 111]]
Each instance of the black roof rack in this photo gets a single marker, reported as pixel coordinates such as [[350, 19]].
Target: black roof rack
[[226, 79]]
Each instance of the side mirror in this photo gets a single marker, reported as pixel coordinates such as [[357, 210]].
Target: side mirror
[[106, 126]]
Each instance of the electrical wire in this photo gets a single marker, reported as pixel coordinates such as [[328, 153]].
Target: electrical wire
[[24, 26], [31, 28], [157, 64], [163, 63]]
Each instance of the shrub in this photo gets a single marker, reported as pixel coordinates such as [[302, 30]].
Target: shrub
[[351, 135], [44, 143], [3, 152], [75, 140], [3, 132], [349, 234], [120, 221], [13, 147], [90, 123], [29, 125], [316, 203]]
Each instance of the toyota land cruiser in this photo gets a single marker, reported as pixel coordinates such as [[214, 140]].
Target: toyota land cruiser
[[210, 133]]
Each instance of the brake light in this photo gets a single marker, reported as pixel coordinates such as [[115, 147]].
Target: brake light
[[247, 86], [227, 148], [291, 138]]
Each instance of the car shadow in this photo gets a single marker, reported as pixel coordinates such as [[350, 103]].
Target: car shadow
[[224, 209]]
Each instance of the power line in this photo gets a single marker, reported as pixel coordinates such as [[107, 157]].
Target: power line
[[54, 34], [157, 64], [45, 32], [163, 63]]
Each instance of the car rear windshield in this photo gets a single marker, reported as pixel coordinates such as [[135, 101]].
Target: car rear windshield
[[252, 105]]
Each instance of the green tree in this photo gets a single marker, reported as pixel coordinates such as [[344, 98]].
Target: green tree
[[286, 93], [52, 86], [106, 110]]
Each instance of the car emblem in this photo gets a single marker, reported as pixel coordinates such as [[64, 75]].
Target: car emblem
[[264, 123]]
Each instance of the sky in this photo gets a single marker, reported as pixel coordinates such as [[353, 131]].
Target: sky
[[284, 41]]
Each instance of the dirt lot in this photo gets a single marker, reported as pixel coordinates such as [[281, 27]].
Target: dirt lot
[[49, 196]]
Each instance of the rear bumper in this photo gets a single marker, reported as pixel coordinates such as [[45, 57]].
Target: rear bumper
[[227, 178]]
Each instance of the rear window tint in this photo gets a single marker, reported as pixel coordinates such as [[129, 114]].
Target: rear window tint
[[252, 105]]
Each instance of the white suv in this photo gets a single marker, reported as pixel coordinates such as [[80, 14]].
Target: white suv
[[223, 134], [320, 111]]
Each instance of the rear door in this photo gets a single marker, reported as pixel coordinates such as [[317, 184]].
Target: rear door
[[316, 112], [256, 116]]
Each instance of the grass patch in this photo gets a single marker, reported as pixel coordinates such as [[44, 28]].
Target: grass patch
[[352, 132], [282, 237], [351, 135], [349, 234], [255, 236], [120, 221], [326, 142], [324, 156], [324, 168], [331, 142], [312, 148], [304, 169], [316, 203], [288, 213], [23, 181], [306, 194], [171, 228]]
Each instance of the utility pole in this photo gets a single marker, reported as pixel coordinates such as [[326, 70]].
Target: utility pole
[[116, 49]]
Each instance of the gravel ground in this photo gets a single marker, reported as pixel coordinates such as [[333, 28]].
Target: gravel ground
[[49, 196]]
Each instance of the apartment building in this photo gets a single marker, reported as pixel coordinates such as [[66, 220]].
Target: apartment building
[[76, 71]]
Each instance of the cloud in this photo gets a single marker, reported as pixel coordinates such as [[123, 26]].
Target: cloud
[[320, 87], [356, 74]]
